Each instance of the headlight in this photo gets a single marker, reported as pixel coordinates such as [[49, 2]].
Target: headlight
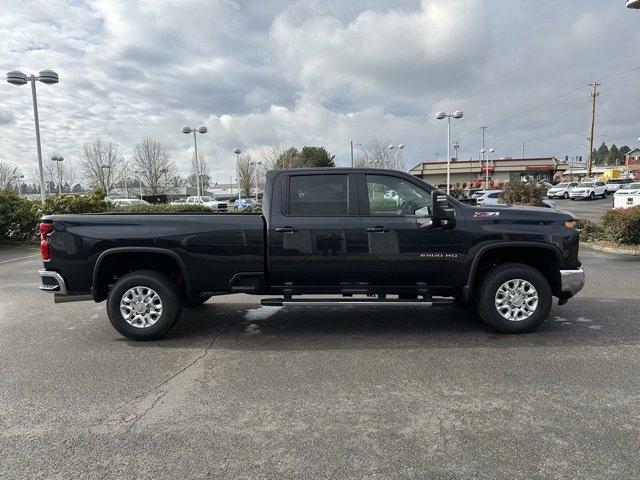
[[570, 224]]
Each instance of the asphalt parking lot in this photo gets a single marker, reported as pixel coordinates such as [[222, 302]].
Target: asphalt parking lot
[[239, 391], [589, 209]]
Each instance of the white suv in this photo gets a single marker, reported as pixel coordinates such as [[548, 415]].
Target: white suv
[[561, 190], [207, 201], [589, 189]]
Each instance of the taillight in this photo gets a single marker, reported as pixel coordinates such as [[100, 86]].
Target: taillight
[[45, 229]]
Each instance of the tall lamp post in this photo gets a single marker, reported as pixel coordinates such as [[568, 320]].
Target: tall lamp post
[[449, 116], [19, 178], [194, 130], [237, 151], [256, 166], [139, 175], [398, 148], [486, 165], [58, 159], [527, 141], [47, 77], [106, 179]]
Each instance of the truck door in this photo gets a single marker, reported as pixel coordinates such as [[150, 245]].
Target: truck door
[[403, 246], [315, 236]]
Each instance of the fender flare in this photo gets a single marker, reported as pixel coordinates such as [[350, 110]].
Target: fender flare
[[161, 251], [467, 289]]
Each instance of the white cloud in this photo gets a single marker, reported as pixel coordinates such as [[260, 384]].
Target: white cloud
[[315, 72]]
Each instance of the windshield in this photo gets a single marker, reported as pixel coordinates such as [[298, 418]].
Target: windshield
[[562, 185], [206, 199], [586, 184]]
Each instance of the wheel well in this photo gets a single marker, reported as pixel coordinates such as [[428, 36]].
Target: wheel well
[[117, 265], [542, 259]]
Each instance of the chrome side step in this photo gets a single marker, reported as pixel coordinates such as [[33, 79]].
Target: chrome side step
[[281, 302]]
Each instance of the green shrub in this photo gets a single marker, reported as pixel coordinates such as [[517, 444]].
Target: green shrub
[[62, 204], [522, 193], [622, 225], [589, 230], [160, 208], [18, 217]]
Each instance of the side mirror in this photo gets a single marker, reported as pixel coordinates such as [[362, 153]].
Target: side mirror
[[442, 212]]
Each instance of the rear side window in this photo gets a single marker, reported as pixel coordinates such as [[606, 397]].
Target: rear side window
[[493, 195], [318, 195]]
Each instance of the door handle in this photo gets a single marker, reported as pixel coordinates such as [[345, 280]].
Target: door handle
[[286, 229], [377, 229]]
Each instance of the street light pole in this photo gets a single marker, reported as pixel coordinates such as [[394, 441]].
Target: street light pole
[[45, 76], [448, 116], [237, 151], [200, 129], [58, 159]]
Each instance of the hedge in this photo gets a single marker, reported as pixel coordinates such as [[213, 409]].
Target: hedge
[[19, 216], [522, 193], [622, 225]]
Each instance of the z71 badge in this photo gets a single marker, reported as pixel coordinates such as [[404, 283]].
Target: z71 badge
[[486, 214]]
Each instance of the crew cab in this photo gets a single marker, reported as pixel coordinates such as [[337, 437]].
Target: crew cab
[[588, 190], [363, 236]]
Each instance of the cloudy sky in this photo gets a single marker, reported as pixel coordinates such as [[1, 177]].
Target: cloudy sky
[[319, 73]]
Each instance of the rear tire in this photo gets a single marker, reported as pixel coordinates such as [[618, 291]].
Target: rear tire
[[144, 305], [517, 291]]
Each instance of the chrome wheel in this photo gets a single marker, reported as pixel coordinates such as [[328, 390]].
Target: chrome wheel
[[141, 307], [516, 300]]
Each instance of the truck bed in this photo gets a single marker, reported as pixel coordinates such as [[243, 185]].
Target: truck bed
[[214, 248]]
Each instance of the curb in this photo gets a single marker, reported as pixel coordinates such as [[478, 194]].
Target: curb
[[607, 249]]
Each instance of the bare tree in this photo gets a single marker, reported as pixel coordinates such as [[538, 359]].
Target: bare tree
[[246, 175], [8, 174], [201, 169], [376, 154], [278, 156], [101, 164], [154, 165]]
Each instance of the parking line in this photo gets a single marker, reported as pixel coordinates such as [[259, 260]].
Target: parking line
[[21, 258]]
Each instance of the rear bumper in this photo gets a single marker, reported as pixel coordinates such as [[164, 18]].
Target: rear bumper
[[571, 282], [52, 282]]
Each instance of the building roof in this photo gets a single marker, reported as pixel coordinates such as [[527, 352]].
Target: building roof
[[502, 159]]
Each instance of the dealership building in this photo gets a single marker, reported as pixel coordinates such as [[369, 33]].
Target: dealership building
[[472, 172]]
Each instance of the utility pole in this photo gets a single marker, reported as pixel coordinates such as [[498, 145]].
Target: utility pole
[[486, 165], [594, 94], [456, 145], [351, 142]]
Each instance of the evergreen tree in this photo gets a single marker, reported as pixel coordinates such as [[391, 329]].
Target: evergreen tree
[[316, 157]]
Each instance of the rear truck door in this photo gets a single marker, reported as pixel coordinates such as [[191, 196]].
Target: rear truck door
[[405, 246], [315, 235]]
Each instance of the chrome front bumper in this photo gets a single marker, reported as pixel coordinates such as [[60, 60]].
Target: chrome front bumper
[[571, 281]]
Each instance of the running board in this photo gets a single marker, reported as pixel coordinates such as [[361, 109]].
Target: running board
[[281, 302]]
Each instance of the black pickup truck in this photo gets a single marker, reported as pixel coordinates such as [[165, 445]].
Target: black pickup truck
[[365, 236]]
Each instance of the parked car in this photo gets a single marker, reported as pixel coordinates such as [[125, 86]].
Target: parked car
[[127, 202], [561, 190], [589, 190], [244, 203], [489, 197], [627, 196], [207, 201], [178, 201], [615, 183], [322, 232]]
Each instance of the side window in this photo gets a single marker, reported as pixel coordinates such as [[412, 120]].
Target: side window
[[318, 195], [394, 196], [493, 195]]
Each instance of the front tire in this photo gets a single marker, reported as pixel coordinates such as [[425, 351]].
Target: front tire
[[514, 298], [144, 305], [566, 195], [592, 195]]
